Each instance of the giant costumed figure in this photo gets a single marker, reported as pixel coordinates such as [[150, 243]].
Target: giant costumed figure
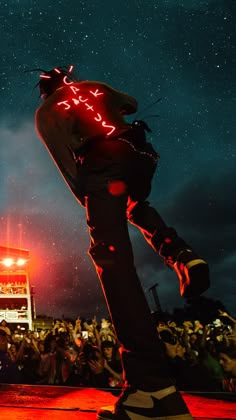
[[108, 165]]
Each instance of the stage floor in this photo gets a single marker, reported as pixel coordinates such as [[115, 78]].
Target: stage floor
[[25, 402]]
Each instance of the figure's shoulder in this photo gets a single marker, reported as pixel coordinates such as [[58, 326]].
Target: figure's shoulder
[[92, 84], [39, 111], [50, 102]]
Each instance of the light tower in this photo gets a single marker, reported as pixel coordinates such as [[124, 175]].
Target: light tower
[[153, 289], [15, 292]]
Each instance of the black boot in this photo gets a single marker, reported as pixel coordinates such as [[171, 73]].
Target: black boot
[[192, 271]]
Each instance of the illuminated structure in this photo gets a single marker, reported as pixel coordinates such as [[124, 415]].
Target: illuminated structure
[[15, 291]]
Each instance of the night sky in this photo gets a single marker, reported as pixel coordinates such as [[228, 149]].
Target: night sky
[[182, 51]]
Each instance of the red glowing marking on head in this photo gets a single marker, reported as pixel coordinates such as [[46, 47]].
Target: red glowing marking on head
[[82, 100], [57, 70], [111, 248], [76, 101], [70, 69], [65, 103], [168, 240], [74, 89], [67, 82], [117, 188], [43, 76], [96, 93], [98, 118], [104, 124], [89, 107]]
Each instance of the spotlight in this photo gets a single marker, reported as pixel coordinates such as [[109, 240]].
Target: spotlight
[[8, 262], [21, 262]]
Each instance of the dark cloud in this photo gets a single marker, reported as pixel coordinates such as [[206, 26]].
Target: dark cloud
[[205, 207]]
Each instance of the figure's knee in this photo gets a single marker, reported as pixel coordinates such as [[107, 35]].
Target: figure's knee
[[103, 254], [136, 211], [145, 218], [167, 243], [112, 255]]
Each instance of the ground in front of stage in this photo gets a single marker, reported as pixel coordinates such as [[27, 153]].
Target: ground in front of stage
[[25, 402]]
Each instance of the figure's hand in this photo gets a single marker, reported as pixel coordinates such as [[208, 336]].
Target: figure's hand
[[105, 364], [171, 350], [94, 322], [77, 325], [171, 324], [96, 367], [87, 327], [222, 313], [188, 324], [82, 359], [164, 328], [105, 324], [207, 329]]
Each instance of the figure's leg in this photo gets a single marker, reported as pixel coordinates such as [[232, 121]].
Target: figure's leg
[[149, 390], [192, 271], [112, 254]]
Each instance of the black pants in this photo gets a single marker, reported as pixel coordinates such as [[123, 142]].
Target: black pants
[[110, 205]]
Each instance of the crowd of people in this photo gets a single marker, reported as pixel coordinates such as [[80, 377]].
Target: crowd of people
[[17, 288], [86, 353]]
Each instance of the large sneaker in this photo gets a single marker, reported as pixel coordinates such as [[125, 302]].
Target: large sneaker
[[192, 271], [134, 404]]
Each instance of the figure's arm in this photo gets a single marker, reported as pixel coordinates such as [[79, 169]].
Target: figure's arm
[[60, 153], [129, 104], [117, 375]]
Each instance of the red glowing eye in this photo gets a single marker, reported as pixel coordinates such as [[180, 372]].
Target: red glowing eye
[[43, 76], [57, 71]]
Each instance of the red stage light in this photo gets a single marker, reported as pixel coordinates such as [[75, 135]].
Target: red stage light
[[21, 262], [8, 262]]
